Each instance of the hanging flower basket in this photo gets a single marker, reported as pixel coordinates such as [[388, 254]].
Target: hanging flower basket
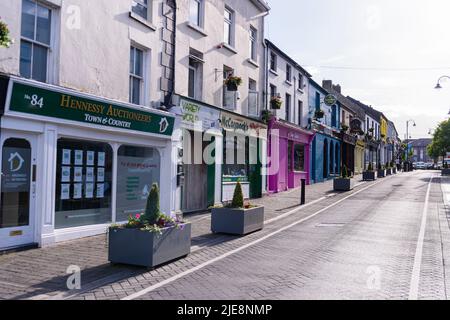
[[319, 114], [233, 83], [344, 128], [5, 40], [276, 103]]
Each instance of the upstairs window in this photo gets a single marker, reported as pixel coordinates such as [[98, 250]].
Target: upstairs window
[[253, 43], [140, 7], [195, 74], [136, 75], [300, 81], [195, 12], [228, 26], [35, 40], [288, 73], [288, 107], [252, 98], [273, 61]]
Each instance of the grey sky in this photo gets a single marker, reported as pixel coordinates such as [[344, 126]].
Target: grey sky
[[394, 50]]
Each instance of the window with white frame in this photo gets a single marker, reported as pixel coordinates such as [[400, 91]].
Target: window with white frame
[[273, 61], [136, 75], [195, 12], [35, 40], [300, 112], [228, 26], [288, 107], [288, 73], [253, 43], [252, 98], [195, 78], [300, 81], [141, 8], [229, 97]]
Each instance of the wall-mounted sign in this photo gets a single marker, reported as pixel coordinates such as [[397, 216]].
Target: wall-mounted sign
[[241, 125], [197, 116], [330, 100], [34, 100], [356, 126]]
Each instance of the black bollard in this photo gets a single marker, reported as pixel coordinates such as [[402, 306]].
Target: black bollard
[[302, 195]]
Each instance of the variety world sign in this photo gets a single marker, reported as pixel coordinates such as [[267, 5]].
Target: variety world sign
[[197, 116], [42, 102]]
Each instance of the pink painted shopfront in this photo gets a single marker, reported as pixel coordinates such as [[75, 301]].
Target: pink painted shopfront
[[289, 155]]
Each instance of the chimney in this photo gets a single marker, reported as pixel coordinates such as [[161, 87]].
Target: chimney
[[337, 88], [327, 84]]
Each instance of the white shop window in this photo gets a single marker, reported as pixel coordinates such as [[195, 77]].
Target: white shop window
[[137, 170], [83, 183]]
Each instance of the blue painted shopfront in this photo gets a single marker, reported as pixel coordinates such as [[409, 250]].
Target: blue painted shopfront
[[325, 149], [325, 158]]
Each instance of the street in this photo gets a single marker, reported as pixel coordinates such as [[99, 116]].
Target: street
[[387, 239]]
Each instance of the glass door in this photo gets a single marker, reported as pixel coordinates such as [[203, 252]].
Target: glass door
[[17, 190]]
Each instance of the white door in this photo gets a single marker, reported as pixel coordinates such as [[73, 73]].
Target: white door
[[17, 189]]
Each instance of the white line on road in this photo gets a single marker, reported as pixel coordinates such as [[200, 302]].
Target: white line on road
[[415, 276], [225, 255]]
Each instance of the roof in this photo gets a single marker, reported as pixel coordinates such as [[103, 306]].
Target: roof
[[272, 46], [261, 4], [354, 107], [423, 142], [318, 86], [369, 110]]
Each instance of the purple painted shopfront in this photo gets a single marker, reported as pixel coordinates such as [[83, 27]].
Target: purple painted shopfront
[[289, 155]]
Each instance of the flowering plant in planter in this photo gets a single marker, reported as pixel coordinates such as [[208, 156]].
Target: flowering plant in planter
[[5, 40], [233, 83], [238, 217], [319, 114], [155, 238], [276, 102], [152, 220]]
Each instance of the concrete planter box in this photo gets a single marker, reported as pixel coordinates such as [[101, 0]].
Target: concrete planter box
[[445, 172], [369, 176], [394, 170], [343, 184], [237, 221], [381, 173], [148, 249], [389, 172]]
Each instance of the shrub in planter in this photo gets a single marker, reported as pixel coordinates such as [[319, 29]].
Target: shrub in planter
[[149, 239], [388, 169], [276, 102], [344, 128], [381, 171], [237, 218], [369, 174], [445, 170], [343, 183], [233, 83]]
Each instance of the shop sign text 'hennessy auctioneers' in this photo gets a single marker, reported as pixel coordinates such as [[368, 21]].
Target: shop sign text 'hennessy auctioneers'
[[68, 106]]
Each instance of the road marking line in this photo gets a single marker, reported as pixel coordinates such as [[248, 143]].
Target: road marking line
[[415, 276], [227, 254]]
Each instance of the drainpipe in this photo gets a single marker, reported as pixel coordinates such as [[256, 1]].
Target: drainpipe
[[168, 103]]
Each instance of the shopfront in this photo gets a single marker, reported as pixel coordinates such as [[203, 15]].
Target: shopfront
[[73, 163], [348, 151], [289, 154], [244, 154], [199, 137], [325, 154]]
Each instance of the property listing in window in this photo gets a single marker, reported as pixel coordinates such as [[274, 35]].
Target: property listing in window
[[83, 183]]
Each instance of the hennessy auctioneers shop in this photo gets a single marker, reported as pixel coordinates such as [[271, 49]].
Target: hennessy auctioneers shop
[[74, 163]]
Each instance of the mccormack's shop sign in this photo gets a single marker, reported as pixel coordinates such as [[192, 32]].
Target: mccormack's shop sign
[[241, 125], [34, 100]]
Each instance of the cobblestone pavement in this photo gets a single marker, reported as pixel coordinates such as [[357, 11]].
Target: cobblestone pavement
[[357, 245]]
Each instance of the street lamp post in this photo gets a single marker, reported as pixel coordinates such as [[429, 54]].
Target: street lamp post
[[407, 138], [438, 85]]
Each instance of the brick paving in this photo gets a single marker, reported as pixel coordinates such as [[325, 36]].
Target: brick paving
[[305, 261]]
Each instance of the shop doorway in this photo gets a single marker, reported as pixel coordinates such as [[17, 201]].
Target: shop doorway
[[196, 171], [17, 190]]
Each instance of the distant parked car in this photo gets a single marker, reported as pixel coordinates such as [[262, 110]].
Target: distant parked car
[[430, 165], [421, 166]]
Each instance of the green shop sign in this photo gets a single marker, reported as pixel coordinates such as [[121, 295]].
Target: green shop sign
[[330, 100], [37, 101]]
